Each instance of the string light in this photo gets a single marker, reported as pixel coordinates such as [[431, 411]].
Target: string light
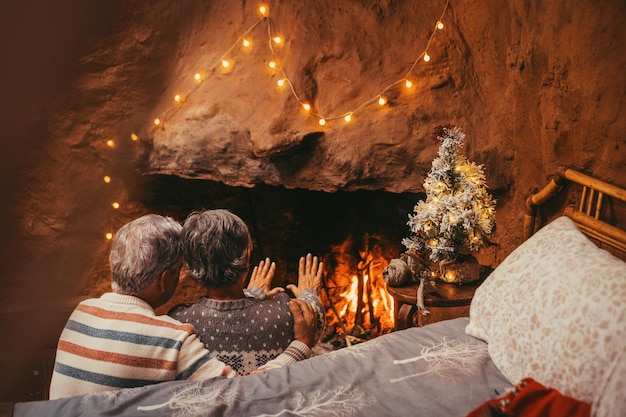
[[107, 179], [348, 117], [284, 81], [115, 205], [134, 137], [111, 143], [109, 235], [178, 98]]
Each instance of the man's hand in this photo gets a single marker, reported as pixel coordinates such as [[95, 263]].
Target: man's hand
[[262, 276], [309, 275], [304, 326]]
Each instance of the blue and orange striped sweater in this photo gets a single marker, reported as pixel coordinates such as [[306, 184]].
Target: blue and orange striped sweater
[[117, 341]]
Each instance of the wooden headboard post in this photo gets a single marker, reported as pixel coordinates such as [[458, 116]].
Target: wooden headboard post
[[587, 214], [535, 200]]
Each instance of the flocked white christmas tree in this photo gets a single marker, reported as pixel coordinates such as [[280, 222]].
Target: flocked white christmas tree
[[458, 214]]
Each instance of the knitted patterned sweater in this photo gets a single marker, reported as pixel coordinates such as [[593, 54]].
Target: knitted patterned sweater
[[117, 341], [246, 333]]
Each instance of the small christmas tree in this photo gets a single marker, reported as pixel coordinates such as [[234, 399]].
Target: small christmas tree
[[458, 214]]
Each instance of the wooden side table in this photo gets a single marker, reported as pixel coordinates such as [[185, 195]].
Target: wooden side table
[[444, 301]]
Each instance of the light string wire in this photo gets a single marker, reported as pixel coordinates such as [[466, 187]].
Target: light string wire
[[223, 61], [285, 80]]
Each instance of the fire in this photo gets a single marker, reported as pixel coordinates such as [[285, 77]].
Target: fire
[[387, 303], [351, 297], [359, 306]]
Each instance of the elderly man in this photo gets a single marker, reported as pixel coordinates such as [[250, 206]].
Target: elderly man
[[117, 341], [242, 327]]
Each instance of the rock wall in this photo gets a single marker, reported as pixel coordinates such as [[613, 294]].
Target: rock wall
[[533, 85]]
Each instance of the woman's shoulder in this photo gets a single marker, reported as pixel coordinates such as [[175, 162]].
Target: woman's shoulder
[[277, 302], [281, 297], [180, 309]]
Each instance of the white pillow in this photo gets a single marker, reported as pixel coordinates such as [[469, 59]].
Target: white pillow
[[554, 310]]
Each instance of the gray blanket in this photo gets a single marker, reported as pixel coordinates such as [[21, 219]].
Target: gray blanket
[[436, 370]]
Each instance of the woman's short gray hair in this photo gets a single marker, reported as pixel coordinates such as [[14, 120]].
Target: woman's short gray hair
[[216, 244], [142, 249]]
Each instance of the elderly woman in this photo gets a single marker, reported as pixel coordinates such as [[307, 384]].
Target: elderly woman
[[244, 328], [117, 341]]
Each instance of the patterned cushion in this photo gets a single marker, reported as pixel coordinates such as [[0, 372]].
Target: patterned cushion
[[555, 310]]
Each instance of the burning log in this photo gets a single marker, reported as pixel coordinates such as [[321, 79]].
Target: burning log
[[358, 305], [332, 306]]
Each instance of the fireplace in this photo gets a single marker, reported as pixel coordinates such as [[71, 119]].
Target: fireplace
[[355, 233]]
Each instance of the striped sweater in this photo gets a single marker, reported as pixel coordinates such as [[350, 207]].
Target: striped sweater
[[117, 341]]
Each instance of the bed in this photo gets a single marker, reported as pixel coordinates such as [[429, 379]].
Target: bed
[[553, 311]]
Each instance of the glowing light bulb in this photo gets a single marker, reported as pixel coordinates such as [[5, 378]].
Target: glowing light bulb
[[197, 76], [115, 205], [322, 122], [272, 64], [178, 98], [449, 276], [134, 137], [426, 57], [277, 39], [439, 25], [281, 82], [246, 43], [348, 117], [382, 100], [263, 10], [107, 179], [111, 143], [157, 122], [408, 83], [109, 235], [225, 63], [306, 106]]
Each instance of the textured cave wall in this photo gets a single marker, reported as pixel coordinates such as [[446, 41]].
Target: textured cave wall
[[533, 85]]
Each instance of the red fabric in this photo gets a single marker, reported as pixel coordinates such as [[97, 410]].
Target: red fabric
[[531, 399]]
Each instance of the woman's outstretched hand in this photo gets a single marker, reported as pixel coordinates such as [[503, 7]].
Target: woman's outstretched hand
[[262, 276], [310, 271]]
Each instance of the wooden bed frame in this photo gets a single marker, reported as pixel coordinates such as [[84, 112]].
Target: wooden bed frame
[[589, 216]]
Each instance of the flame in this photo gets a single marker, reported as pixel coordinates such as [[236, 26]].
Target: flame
[[380, 296], [387, 303], [350, 296], [366, 264]]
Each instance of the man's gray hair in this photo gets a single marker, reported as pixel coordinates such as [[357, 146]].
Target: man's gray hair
[[216, 244], [142, 249]]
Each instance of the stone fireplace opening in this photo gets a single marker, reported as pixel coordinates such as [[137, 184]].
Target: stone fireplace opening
[[356, 234]]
